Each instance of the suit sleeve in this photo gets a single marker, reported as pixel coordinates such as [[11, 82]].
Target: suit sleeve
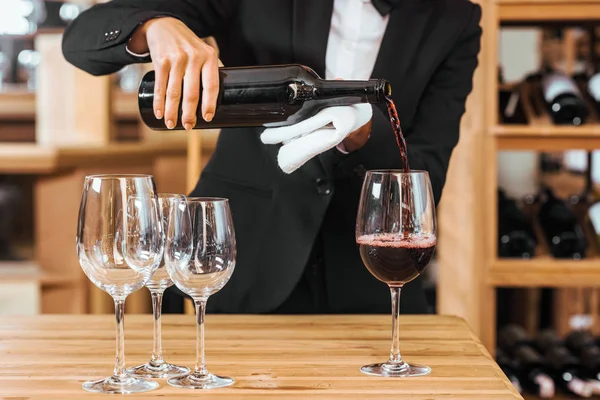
[[435, 129], [96, 40]]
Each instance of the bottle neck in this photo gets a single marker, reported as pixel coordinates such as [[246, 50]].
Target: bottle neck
[[342, 92]]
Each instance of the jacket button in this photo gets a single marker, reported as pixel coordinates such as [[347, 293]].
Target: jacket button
[[324, 187]]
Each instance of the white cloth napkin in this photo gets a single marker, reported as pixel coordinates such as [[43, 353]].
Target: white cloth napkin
[[315, 135]]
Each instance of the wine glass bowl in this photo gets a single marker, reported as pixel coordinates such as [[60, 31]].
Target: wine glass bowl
[[212, 260], [119, 254], [157, 284], [119, 246], [200, 255], [396, 231], [161, 280]]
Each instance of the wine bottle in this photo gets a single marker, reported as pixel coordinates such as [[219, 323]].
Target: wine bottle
[[562, 231], [508, 367], [551, 163], [528, 363], [516, 238], [533, 373], [583, 345], [512, 336], [564, 367], [593, 87], [588, 80], [269, 96], [563, 98]]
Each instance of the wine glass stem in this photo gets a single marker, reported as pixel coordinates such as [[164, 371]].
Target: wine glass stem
[[119, 370], [200, 361], [395, 356], [157, 357]]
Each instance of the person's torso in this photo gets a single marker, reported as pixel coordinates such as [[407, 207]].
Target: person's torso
[[278, 216]]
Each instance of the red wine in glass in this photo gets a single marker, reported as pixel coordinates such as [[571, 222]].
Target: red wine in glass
[[395, 260]]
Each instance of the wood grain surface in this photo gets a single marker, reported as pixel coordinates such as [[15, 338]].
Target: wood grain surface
[[50, 356]]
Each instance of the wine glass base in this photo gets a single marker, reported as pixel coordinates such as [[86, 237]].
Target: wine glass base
[[196, 381], [161, 371], [117, 385], [399, 370]]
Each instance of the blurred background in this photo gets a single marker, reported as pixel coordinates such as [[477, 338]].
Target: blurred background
[[519, 220]]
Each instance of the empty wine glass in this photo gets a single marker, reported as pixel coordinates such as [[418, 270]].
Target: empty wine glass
[[120, 244], [396, 233], [160, 281], [200, 252]]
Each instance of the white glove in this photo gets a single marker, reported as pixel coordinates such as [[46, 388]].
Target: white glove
[[315, 135]]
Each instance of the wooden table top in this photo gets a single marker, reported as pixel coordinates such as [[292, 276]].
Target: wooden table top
[[289, 357]]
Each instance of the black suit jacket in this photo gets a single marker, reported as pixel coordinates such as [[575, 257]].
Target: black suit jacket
[[428, 53]]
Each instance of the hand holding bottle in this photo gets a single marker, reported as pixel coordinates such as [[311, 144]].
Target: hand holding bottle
[[176, 53]]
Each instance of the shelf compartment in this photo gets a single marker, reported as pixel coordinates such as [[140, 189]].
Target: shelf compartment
[[545, 271], [540, 133], [526, 11]]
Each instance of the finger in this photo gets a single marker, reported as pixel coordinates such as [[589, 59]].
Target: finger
[[161, 77], [174, 88], [191, 93], [210, 86]]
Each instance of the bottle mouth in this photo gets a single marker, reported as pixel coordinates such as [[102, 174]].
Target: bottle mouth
[[384, 89]]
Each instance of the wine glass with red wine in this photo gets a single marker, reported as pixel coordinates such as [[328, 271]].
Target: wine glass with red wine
[[396, 232]]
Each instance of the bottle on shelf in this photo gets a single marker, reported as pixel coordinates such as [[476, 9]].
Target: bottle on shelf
[[512, 336], [565, 102], [589, 79], [516, 237], [508, 367], [583, 345], [594, 88], [270, 96], [564, 367], [562, 231], [528, 364], [551, 163], [533, 373]]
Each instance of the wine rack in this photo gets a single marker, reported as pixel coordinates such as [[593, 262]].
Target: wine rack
[[469, 268]]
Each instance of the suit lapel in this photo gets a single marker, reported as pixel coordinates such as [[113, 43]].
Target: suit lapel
[[311, 21], [405, 29]]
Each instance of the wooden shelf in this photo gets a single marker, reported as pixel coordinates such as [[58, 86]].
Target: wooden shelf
[[19, 104], [35, 159], [546, 137], [548, 131], [27, 271], [545, 271], [525, 11], [470, 270]]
